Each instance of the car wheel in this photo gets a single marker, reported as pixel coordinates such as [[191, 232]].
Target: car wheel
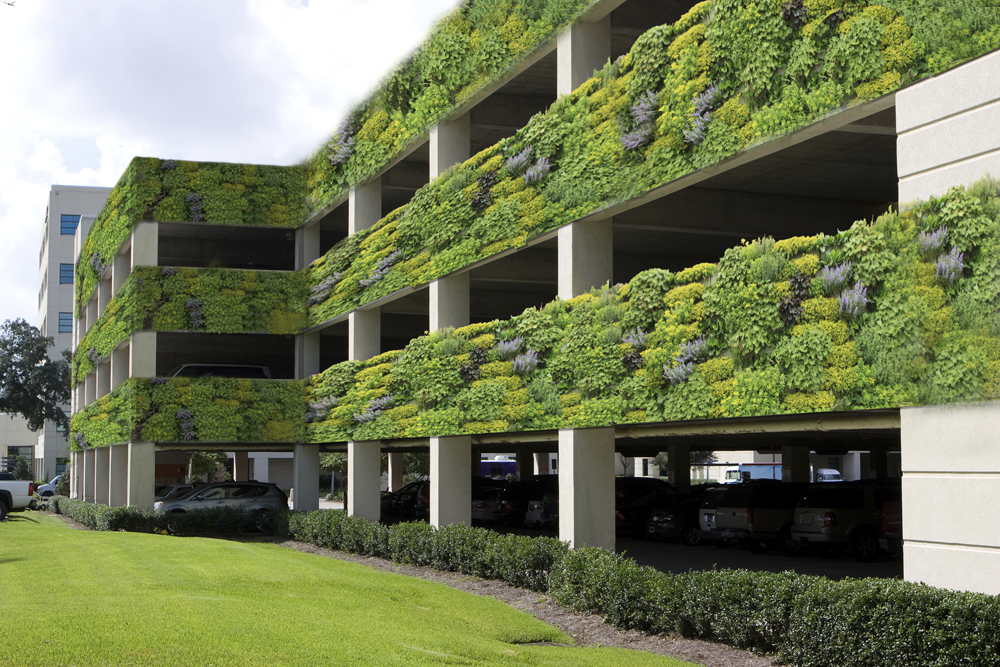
[[47, 494], [3, 510], [864, 546], [691, 536], [792, 547]]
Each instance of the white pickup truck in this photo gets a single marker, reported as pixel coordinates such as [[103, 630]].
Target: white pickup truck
[[14, 496]]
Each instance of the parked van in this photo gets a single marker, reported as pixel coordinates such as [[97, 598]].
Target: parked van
[[746, 471]]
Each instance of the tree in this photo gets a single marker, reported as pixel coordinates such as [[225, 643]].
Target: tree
[[32, 385]]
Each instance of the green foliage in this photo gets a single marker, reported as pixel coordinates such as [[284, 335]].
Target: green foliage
[[32, 386], [802, 359]]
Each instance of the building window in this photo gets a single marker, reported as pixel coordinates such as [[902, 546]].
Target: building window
[[68, 224], [65, 322], [66, 274]]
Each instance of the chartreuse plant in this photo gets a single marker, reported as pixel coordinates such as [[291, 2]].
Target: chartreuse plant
[[710, 341], [178, 191], [204, 300], [726, 76]]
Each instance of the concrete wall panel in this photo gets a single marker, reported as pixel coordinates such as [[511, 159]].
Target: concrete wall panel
[[965, 87], [960, 568], [952, 509]]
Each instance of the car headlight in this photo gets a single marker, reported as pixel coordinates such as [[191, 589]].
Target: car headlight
[[157, 504]]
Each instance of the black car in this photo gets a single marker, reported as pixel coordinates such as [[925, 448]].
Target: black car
[[410, 503], [635, 500], [678, 521], [512, 503]]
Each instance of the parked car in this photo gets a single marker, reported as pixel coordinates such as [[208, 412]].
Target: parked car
[[249, 496], [512, 503], [410, 503], [15, 496], [49, 489], [706, 515], [828, 475], [484, 504], [172, 491], [678, 521], [862, 516], [758, 514], [635, 500]]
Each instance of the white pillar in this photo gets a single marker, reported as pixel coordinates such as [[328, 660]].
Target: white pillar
[[541, 463], [141, 474], [145, 244], [118, 485], [93, 312], [102, 475], [305, 477], [364, 334], [450, 144], [241, 466], [120, 270], [525, 464], [449, 302], [306, 355], [582, 48], [142, 354], [74, 473], [587, 487], [119, 365], [90, 388], [364, 205], [585, 256], [795, 463], [306, 245], [104, 293], [363, 473], [89, 475], [103, 378], [679, 466], [395, 471], [451, 486]]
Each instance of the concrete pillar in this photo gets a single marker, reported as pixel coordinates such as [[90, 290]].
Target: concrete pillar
[[306, 355], [104, 293], [795, 463], [93, 312], [103, 378], [451, 488], [364, 205], [364, 334], [306, 245], [525, 464], [305, 477], [679, 466], [880, 463], [241, 466], [363, 472], [396, 471], [587, 487], [141, 474], [541, 463], [76, 463], [102, 475], [120, 270], [146, 244], [89, 475], [449, 302], [90, 388], [450, 144], [142, 354], [582, 48], [118, 486], [586, 252], [119, 366]]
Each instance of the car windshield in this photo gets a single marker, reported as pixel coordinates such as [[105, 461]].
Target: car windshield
[[187, 494]]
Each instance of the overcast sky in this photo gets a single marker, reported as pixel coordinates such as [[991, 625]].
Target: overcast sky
[[86, 86]]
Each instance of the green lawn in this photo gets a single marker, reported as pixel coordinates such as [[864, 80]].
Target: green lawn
[[73, 597]]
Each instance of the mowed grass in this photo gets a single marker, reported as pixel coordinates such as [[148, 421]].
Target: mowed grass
[[73, 597]]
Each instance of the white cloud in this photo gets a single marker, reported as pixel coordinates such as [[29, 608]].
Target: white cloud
[[90, 85]]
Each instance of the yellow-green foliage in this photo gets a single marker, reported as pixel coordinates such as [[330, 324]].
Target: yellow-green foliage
[[819, 401]]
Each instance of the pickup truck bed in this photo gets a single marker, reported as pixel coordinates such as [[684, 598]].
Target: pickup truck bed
[[15, 496]]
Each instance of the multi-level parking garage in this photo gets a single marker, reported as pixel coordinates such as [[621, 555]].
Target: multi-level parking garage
[[853, 163]]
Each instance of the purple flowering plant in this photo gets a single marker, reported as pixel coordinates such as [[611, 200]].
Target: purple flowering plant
[[374, 409], [537, 171], [677, 374], [381, 268], [508, 348], [193, 307], [516, 164], [525, 363], [704, 105], [854, 300], [931, 242], [950, 266], [641, 126], [832, 278]]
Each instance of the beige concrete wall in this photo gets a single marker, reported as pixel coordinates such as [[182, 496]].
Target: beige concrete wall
[[949, 129], [951, 496]]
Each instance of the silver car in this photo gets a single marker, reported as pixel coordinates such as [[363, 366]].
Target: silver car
[[249, 496]]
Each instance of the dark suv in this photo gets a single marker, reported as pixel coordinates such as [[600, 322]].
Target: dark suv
[[758, 514], [859, 515]]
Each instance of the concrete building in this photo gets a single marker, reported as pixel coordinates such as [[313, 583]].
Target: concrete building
[[851, 164]]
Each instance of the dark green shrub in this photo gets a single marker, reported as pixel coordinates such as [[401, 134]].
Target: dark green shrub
[[411, 543]]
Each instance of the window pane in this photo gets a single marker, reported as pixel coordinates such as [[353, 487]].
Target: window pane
[[68, 224], [65, 322], [66, 274]]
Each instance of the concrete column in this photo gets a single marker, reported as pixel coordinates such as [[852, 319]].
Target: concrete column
[[119, 366], [364, 334], [525, 464], [306, 245], [90, 388], [141, 474], [451, 488], [541, 463], [103, 378], [586, 252], [241, 466], [679, 466], [306, 355], [364, 206], [93, 312], [880, 463], [587, 487], [795, 463], [395, 471], [76, 463], [450, 144], [142, 354], [146, 244], [118, 487], [305, 477], [449, 302], [102, 475], [89, 475], [104, 293], [120, 270], [582, 48], [363, 473]]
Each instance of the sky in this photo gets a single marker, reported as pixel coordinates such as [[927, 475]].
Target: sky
[[87, 86]]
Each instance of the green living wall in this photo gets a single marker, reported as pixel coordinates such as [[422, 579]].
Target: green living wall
[[193, 409], [728, 75], [196, 300], [902, 310], [178, 191]]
